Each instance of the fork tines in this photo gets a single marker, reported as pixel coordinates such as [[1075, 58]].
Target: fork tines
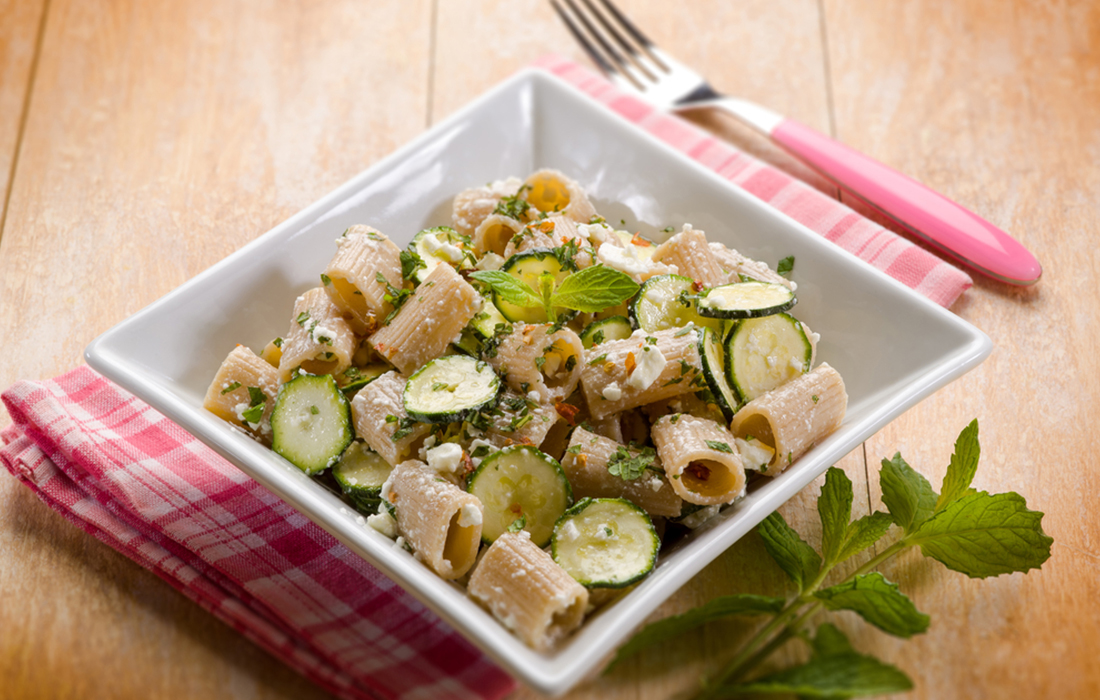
[[635, 54]]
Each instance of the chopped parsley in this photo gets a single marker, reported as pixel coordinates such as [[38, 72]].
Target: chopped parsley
[[601, 358], [518, 524], [513, 207], [325, 279], [231, 387], [785, 266], [257, 402], [719, 446], [404, 428], [303, 317], [629, 467], [410, 263]]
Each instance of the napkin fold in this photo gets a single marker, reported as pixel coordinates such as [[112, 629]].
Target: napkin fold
[[127, 475], [910, 264]]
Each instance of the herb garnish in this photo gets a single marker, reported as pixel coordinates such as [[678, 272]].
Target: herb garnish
[[257, 401], [629, 467], [973, 532], [719, 446], [589, 290], [785, 266]]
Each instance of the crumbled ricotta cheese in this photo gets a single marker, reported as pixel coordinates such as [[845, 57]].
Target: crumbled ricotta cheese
[[476, 443], [446, 458], [604, 532], [569, 531], [469, 515], [700, 516], [651, 362], [628, 260], [612, 392], [533, 395], [383, 522], [490, 261], [442, 249], [754, 454]]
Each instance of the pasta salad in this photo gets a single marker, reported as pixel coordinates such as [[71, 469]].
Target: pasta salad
[[530, 399]]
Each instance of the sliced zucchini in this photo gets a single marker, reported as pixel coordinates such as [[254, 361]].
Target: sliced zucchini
[[746, 300], [486, 320], [520, 482], [468, 342], [441, 244], [614, 328], [605, 542], [763, 353], [659, 306], [361, 473], [713, 356], [353, 378], [450, 389], [311, 422], [527, 267]]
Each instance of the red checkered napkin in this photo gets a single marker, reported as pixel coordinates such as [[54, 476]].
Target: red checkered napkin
[[913, 266], [126, 474]]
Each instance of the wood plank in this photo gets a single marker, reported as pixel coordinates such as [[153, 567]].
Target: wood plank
[[997, 106], [162, 137], [18, 42]]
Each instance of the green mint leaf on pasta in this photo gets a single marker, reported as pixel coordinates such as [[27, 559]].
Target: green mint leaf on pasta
[[964, 464], [509, 288], [278, 342], [785, 266], [834, 506], [594, 289], [404, 428], [830, 641], [325, 279], [834, 676], [719, 446], [231, 387], [410, 263], [863, 533], [302, 318], [629, 467], [793, 555], [907, 495], [565, 254], [480, 451], [253, 414], [984, 535], [597, 360], [661, 631], [547, 281], [575, 449], [256, 397], [877, 601]]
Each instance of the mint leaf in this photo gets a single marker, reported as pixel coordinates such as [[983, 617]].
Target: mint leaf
[[835, 508], [982, 535], [410, 263], [964, 464], [719, 446], [830, 641], [785, 266], [908, 495], [877, 601], [511, 289], [658, 633], [863, 533], [836, 675], [629, 467], [594, 289], [788, 550], [513, 207]]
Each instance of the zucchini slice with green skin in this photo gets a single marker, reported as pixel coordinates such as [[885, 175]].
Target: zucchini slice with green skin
[[361, 474], [311, 422], [605, 329], [713, 356], [355, 378], [527, 267], [450, 389], [441, 244], [605, 542], [746, 300], [468, 342], [658, 306], [763, 353], [486, 320], [520, 482]]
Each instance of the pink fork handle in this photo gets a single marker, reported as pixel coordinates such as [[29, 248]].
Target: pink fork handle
[[944, 224]]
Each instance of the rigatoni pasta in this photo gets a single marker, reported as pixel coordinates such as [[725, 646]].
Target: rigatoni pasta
[[536, 372]]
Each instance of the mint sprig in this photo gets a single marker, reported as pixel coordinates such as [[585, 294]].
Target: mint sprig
[[973, 532], [589, 290]]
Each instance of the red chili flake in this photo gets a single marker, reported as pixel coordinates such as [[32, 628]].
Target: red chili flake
[[567, 411], [630, 363], [698, 471], [638, 240], [547, 226], [467, 464], [697, 286]]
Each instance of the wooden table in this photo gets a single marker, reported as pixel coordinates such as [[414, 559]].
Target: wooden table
[[140, 142]]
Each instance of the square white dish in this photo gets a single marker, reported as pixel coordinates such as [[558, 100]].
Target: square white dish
[[892, 346]]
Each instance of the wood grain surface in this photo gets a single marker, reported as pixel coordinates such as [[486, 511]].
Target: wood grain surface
[[140, 142]]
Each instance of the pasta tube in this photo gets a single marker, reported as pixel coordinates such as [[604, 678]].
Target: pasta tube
[[378, 412], [518, 419], [735, 265], [493, 234], [351, 278], [232, 393], [471, 206], [793, 417], [586, 462], [428, 321], [689, 252], [320, 341], [552, 192], [641, 369], [527, 591], [441, 522], [535, 360], [700, 459]]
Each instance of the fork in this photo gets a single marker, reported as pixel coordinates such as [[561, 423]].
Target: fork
[[633, 62]]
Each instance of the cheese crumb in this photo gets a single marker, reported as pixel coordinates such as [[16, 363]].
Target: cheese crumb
[[469, 515], [383, 522], [612, 392], [650, 365], [446, 458]]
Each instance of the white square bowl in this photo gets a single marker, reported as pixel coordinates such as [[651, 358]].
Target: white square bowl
[[892, 346]]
